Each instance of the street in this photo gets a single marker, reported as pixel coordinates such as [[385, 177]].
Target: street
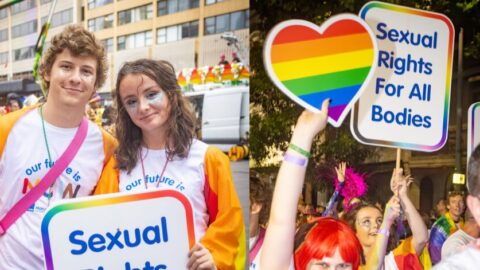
[[241, 178], [240, 171]]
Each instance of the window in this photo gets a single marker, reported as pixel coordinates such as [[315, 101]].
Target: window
[[3, 13], [135, 14], [24, 53], [222, 23], [227, 22], [190, 29], [209, 2], [60, 18], [3, 57], [173, 6], [3, 34], [108, 44], [162, 8], [98, 3], [161, 35], [24, 29], [137, 40], [238, 20], [99, 23], [22, 6], [172, 33], [209, 25], [177, 32]]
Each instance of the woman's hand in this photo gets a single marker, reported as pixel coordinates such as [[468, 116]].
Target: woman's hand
[[200, 258], [400, 183], [392, 210], [341, 171], [311, 123]]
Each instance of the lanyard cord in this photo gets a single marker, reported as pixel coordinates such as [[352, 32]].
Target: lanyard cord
[[50, 191], [143, 171]]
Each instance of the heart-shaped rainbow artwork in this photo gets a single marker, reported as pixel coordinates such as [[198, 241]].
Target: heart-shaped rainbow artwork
[[311, 63]]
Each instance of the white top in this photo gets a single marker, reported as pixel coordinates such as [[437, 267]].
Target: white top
[[454, 242], [185, 175], [389, 262], [24, 162], [468, 259]]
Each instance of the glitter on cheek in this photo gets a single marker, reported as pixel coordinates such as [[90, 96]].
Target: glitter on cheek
[[156, 100]]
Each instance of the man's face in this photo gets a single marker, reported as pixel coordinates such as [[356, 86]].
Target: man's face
[[441, 207], [72, 79], [456, 206]]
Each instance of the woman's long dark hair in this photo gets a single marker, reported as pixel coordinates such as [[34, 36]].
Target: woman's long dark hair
[[179, 127]]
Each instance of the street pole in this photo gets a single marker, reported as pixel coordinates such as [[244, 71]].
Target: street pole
[[458, 133]]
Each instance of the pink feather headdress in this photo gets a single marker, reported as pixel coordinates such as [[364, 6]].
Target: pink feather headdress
[[354, 187]]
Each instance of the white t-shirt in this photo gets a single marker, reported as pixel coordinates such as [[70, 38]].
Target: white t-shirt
[[255, 264], [23, 163], [185, 175], [389, 262], [468, 259], [454, 242]]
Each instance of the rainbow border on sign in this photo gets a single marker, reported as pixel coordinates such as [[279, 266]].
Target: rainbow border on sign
[[448, 79], [471, 141], [115, 200]]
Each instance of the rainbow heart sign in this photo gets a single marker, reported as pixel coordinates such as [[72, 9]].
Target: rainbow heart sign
[[311, 63]]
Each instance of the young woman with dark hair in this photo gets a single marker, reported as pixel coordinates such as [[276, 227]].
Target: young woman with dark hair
[[155, 127]]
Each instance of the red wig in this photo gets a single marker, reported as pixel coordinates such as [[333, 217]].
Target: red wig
[[323, 238]]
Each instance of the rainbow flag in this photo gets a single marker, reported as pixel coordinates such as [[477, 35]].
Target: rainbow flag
[[314, 66]]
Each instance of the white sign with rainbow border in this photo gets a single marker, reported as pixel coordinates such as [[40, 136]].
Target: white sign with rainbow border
[[406, 103], [149, 230], [473, 129]]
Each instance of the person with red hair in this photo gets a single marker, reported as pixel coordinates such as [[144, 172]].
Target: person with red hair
[[330, 240], [324, 244]]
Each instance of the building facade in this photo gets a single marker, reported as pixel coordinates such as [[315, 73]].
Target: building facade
[[188, 33]]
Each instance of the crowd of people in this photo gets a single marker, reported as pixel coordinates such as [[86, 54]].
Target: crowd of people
[[363, 235], [153, 135]]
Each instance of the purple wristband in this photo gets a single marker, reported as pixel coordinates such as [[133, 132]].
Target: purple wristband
[[294, 159]]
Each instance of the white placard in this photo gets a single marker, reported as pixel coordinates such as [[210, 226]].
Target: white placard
[[149, 230], [406, 103], [473, 128]]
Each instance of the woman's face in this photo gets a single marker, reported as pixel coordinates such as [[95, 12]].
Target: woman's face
[[336, 262], [145, 102], [367, 224]]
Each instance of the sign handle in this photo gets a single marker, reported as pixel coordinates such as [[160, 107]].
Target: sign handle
[[399, 152]]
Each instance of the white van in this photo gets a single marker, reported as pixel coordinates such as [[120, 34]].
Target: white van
[[222, 115]]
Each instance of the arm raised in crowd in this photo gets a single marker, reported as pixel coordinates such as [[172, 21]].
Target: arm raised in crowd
[[415, 221], [278, 245], [329, 211], [376, 256]]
